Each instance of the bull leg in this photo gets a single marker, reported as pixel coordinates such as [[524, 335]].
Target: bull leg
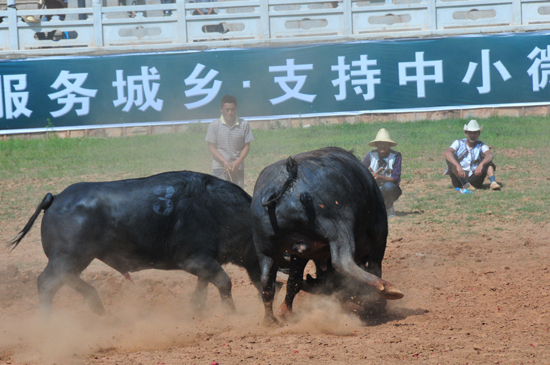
[[371, 304], [343, 262], [88, 292], [209, 271], [222, 281], [373, 264], [199, 295], [49, 282], [293, 286], [65, 268], [269, 276]]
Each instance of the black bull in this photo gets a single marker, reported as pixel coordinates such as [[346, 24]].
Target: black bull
[[172, 221], [321, 205]]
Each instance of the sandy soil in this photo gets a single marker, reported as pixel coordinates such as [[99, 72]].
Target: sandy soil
[[480, 297]]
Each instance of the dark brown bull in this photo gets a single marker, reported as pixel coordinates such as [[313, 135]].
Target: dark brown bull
[[173, 221], [321, 205]]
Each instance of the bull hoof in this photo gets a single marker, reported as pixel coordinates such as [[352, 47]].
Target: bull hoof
[[284, 311], [270, 321], [282, 277], [97, 307], [392, 293]]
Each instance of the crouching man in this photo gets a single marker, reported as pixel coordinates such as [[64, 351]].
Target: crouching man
[[469, 160], [385, 165]]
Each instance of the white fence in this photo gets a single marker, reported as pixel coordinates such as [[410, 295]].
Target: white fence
[[99, 28]]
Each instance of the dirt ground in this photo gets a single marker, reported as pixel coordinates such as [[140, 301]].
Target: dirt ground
[[470, 298]]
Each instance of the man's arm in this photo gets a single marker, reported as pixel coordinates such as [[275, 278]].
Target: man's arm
[[384, 179], [487, 159], [235, 164], [217, 155], [378, 178], [201, 13], [210, 11], [455, 165], [396, 173]]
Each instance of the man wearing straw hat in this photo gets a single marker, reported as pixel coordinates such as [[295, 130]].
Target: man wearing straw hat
[[469, 160], [385, 165]]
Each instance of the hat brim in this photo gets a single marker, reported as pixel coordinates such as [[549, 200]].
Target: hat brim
[[466, 129], [373, 143]]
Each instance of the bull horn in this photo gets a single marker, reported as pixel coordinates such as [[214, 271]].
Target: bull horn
[[390, 292]]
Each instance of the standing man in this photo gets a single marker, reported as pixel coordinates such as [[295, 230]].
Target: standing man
[[167, 12], [229, 142], [208, 11], [469, 160], [385, 165]]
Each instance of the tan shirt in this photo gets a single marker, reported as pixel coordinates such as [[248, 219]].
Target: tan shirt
[[229, 141]]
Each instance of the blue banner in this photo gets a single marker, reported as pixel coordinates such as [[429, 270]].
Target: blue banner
[[323, 79]]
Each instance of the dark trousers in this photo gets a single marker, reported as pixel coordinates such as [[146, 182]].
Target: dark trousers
[[391, 192], [82, 4], [474, 180], [167, 12]]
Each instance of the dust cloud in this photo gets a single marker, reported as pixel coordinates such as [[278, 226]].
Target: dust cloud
[[320, 315], [152, 314], [144, 316]]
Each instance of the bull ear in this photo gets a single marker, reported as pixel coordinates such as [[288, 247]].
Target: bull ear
[[269, 198], [273, 195], [291, 168]]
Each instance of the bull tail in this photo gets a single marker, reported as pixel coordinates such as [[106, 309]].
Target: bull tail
[[45, 204], [275, 196]]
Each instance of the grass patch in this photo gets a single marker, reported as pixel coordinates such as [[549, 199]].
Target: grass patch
[[30, 168]]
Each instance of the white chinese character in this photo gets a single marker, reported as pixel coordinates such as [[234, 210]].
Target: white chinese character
[[15, 97], [485, 72], [342, 79], [199, 88], [290, 68], [142, 92], [539, 82], [68, 95], [368, 79], [420, 77]]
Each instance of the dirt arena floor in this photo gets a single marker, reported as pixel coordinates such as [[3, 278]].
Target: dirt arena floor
[[477, 296]]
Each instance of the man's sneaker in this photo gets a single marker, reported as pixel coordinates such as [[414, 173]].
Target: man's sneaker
[[494, 185], [391, 212], [468, 186]]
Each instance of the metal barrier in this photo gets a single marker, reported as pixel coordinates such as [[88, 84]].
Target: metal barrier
[[98, 28]]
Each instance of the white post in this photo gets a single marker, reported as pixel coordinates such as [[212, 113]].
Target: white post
[[517, 17], [13, 30], [182, 21], [348, 18], [264, 19], [98, 23], [432, 15]]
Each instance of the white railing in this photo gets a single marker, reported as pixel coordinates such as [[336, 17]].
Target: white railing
[[98, 28]]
